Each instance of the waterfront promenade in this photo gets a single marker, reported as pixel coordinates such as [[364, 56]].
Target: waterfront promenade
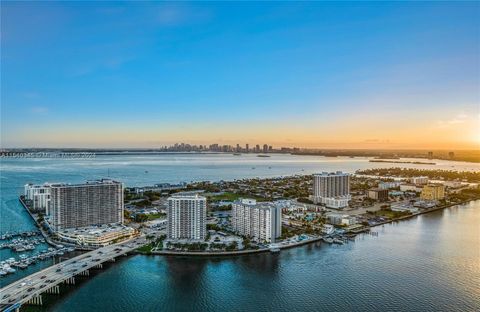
[[30, 289]]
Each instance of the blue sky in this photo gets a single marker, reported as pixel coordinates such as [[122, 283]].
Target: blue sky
[[119, 74]]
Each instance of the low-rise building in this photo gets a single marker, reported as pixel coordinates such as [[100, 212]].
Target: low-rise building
[[419, 180], [433, 192], [410, 187], [97, 236], [378, 194], [340, 219], [404, 208], [335, 202], [388, 185]]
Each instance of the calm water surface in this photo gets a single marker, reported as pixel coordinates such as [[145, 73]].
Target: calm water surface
[[428, 263]]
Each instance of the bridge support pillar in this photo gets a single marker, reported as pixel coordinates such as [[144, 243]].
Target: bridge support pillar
[[53, 290], [70, 281], [37, 300]]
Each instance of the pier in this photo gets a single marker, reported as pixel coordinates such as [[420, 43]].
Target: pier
[[29, 290]]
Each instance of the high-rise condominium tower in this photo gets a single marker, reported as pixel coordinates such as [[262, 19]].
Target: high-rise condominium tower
[[187, 216]]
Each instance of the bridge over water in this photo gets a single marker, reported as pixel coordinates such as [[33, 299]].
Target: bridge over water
[[29, 290]]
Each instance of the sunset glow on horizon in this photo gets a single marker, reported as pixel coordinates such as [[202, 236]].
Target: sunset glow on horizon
[[315, 75]]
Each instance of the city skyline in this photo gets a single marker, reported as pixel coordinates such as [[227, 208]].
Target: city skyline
[[315, 75]]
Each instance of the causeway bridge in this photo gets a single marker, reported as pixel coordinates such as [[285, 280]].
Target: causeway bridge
[[29, 290]]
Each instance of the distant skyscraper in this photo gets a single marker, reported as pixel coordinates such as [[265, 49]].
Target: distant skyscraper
[[430, 155], [262, 222], [238, 148], [451, 154], [257, 148], [187, 216], [265, 148], [332, 189], [82, 205], [247, 148]]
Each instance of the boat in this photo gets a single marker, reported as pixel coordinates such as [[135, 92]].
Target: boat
[[261, 155], [274, 250], [237, 154], [3, 273], [338, 241]]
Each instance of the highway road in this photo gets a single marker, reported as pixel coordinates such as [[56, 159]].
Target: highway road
[[21, 291]]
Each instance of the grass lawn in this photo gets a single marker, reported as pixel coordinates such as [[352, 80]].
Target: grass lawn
[[389, 214], [155, 216], [146, 248]]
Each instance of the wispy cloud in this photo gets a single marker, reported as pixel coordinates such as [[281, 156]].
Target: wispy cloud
[[112, 63], [457, 120], [31, 95], [179, 14], [39, 110]]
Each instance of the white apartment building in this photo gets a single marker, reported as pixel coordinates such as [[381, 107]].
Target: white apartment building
[[187, 216], [260, 221], [332, 189], [410, 188], [39, 195], [388, 185], [82, 205], [419, 180]]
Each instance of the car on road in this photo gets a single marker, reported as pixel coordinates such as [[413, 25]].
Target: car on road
[[42, 286], [58, 270], [84, 265], [6, 296], [11, 300], [43, 277], [30, 289]]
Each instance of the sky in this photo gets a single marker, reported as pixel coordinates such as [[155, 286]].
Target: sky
[[307, 74]]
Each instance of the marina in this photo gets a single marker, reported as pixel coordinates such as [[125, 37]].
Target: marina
[[24, 261]]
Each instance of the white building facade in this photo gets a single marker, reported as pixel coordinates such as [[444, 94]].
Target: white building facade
[[332, 189], [419, 180], [39, 195], [260, 221], [187, 215]]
